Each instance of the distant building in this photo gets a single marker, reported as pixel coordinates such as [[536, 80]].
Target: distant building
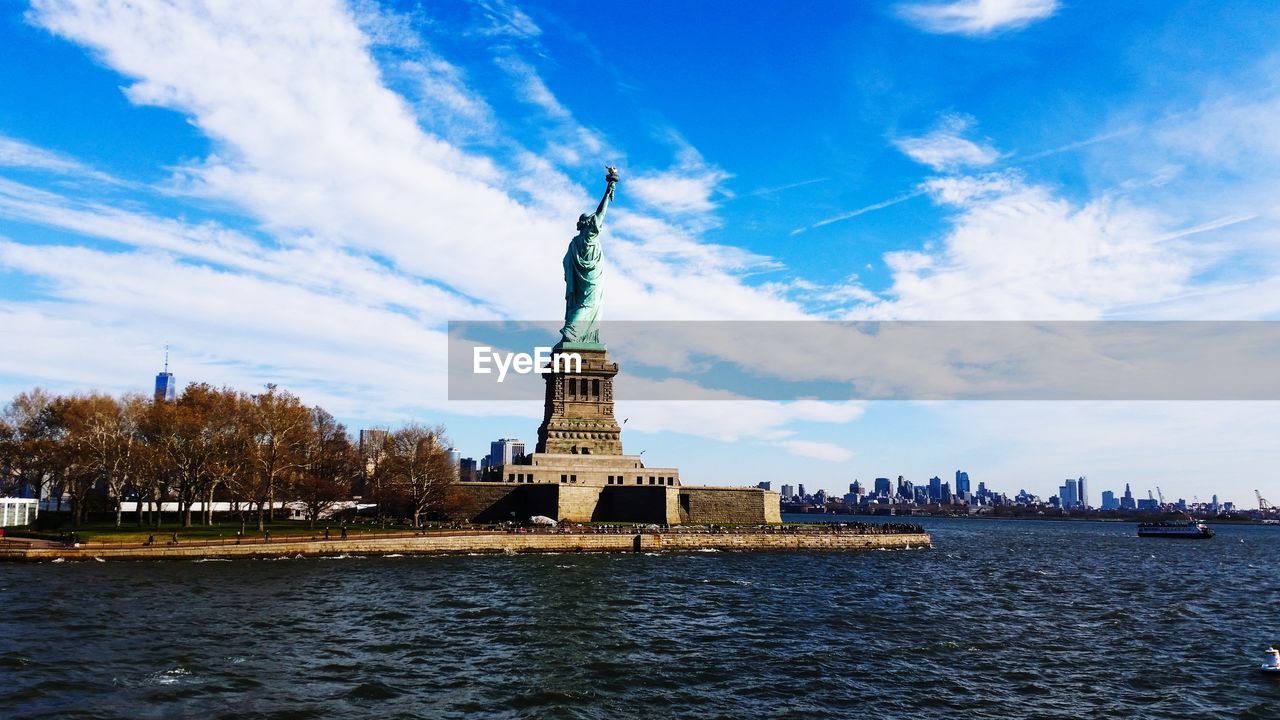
[[905, 490], [166, 388], [1110, 501], [371, 442], [855, 488], [468, 470], [455, 461], [921, 494], [801, 493], [505, 451], [935, 489], [788, 492], [883, 487], [766, 485], [1127, 502], [962, 483], [1067, 495], [1082, 492], [944, 495]]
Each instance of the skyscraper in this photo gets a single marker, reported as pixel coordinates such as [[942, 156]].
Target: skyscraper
[[468, 470], [166, 388], [765, 485], [801, 492], [1082, 492], [962, 483], [505, 451], [371, 442], [1067, 495], [788, 492], [884, 487], [905, 490], [455, 459], [935, 489], [1109, 501]]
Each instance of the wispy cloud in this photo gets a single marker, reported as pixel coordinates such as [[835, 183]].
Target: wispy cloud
[[860, 211], [689, 187], [503, 19], [976, 17], [764, 192], [946, 148], [18, 154]]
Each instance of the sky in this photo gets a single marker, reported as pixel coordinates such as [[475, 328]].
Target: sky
[[305, 193]]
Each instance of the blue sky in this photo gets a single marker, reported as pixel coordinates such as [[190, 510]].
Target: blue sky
[[305, 194]]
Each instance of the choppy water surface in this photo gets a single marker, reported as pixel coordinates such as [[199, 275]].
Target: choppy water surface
[[1001, 620]]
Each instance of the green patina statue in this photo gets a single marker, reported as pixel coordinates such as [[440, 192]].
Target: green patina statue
[[582, 267]]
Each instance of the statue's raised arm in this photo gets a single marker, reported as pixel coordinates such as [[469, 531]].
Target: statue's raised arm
[[611, 179], [582, 267]]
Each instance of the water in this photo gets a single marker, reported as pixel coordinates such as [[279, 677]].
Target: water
[[1002, 619]]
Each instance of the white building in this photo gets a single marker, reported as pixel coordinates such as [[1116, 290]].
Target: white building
[[18, 511]]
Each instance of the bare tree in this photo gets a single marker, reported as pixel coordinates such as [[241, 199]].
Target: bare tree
[[330, 467], [419, 469], [279, 425]]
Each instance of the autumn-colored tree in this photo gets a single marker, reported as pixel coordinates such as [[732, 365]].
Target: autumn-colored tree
[[101, 445], [190, 434], [211, 443], [29, 452]]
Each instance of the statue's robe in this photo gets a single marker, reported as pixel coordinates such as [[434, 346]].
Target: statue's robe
[[583, 263]]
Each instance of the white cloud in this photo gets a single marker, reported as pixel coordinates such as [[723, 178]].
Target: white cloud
[[687, 188], [1017, 251], [976, 17], [737, 420], [945, 148]]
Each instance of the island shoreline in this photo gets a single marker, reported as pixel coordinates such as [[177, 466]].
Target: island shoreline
[[487, 543]]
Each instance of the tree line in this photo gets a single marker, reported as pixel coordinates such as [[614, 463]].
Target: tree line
[[212, 444]]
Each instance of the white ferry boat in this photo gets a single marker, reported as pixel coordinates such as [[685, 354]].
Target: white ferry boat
[[1188, 529]]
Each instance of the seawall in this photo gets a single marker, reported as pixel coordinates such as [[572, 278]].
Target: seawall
[[489, 543]]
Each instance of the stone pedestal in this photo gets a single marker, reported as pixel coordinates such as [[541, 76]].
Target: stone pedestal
[[579, 473], [578, 407]]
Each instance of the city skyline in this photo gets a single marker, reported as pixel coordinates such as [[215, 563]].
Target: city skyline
[[311, 211]]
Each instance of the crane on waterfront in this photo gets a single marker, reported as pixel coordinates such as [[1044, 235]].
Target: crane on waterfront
[[1161, 494], [1263, 505]]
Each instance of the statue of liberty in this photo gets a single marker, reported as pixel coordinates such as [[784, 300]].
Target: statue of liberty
[[582, 267]]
